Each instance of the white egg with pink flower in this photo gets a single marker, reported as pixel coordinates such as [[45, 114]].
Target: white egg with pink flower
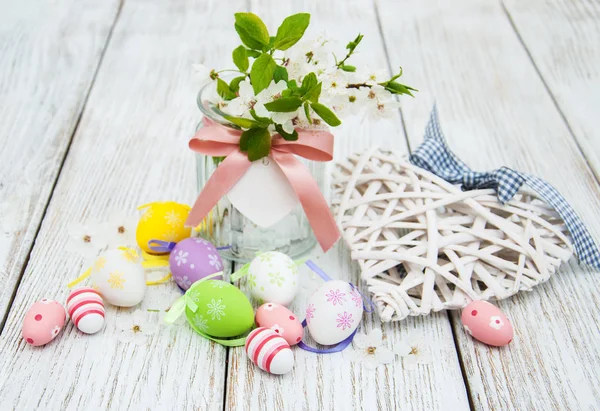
[[333, 312]]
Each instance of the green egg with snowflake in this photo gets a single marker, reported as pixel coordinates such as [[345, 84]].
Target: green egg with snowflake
[[222, 310], [273, 278]]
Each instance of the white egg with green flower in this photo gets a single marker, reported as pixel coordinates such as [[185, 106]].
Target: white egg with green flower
[[273, 277]]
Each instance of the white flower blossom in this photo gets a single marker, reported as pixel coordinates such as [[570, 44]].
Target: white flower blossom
[[86, 239], [135, 327], [369, 350], [414, 351], [202, 72], [119, 230], [241, 105]]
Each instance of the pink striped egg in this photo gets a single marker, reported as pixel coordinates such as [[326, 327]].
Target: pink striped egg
[[269, 351], [86, 309]]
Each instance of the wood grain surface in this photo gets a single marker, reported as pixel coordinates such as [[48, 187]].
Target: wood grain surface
[[49, 53], [496, 111], [563, 40], [130, 149], [516, 84], [324, 382]]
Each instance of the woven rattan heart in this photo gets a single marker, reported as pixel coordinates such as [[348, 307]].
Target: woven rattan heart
[[424, 245]]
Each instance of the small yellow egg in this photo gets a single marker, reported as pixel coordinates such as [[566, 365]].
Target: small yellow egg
[[162, 221]]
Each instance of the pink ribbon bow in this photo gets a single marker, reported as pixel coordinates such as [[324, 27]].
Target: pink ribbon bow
[[216, 140]]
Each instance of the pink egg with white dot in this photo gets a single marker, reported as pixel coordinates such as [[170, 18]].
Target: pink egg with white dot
[[486, 323], [281, 320], [193, 259], [43, 322]]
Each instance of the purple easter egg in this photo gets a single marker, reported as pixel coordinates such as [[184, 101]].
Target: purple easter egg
[[193, 259]]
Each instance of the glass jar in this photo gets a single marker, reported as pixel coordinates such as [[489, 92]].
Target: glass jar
[[226, 226]]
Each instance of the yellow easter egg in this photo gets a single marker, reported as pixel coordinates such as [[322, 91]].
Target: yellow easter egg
[[162, 221]]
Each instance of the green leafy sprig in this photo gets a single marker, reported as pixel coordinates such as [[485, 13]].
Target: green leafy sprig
[[255, 62]]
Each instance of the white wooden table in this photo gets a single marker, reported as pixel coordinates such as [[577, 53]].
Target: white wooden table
[[97, 104]]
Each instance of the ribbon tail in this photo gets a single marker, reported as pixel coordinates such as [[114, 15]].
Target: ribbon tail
[[222, 180], [316, 208], [176, 310], [341, 346], [79, 279], [585, 247], [239, 273]]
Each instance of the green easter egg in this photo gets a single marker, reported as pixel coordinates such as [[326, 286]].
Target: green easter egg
[[223, 310]]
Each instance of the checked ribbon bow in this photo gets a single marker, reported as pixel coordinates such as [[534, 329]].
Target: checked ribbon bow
[[434, 156]]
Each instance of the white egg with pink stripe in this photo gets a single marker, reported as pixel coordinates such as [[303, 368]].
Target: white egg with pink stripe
[[269, 351], [86, 309]]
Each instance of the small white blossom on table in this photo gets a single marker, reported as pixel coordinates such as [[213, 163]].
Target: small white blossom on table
[[86, 239], [119, 230], [369, 350], [135, 327], [414, 352]]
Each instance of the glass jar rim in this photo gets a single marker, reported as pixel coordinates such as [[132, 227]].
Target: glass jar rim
[[209, 112]]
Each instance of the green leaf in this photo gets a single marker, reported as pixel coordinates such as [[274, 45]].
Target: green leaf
[[352, 45], [348, 68], [263, 121], [252, 30], [309, 81], [240, 58], [292, 85], [224, 91], [397, 88], [291, 30], [241, 122], [314, 93], [235, 83], [307, 112], [280, 74], [252, 53], [326, 114], [262, 72], [286, 136], [284, 104], [256, 142]]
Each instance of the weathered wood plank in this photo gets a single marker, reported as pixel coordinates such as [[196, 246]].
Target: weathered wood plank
[[331, 381], [50, 52], [563, 39], [130, 148], [496, 111]]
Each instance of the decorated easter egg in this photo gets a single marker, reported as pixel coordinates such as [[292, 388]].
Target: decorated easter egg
[[269, 351], [281, 320], [86, 309], [43, 321], [222, 309], [119, 276], [273, 278], [486, 323], [333, 312], [162, 221], [193, 259]]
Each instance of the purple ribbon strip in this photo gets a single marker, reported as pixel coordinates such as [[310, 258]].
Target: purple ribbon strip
[[346, 342], [336, 348], [167, 246], [161, 246]]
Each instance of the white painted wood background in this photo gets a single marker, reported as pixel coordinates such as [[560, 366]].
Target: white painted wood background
[[97, 104]]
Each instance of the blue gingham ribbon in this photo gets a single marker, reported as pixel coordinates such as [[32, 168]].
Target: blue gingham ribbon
[[434, 155]]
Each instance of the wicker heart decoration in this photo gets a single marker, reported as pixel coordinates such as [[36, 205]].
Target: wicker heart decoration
[[423, 244]]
